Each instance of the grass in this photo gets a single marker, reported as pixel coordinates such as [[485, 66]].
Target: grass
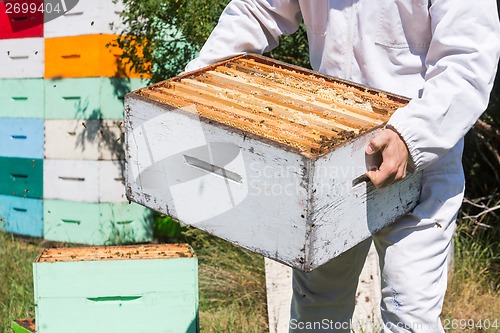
[[16, 286], [473, 290], [232, 283]]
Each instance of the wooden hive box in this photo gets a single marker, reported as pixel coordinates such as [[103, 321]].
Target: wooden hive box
[[135, 289], [266, 155]]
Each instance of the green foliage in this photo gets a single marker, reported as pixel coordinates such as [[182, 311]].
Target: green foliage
[[293, 49], [481, 157], [166, 229], [162, 36]]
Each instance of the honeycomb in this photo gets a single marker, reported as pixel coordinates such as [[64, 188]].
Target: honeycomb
[[301, 109], [161, 251]]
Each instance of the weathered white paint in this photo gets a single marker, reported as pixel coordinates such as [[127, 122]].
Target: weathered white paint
[[344, 213], [279, 295], [71, 180], [86, 18], [272, 200], [246, 212], [22, 58]]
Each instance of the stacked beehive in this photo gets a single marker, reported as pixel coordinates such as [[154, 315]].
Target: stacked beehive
[[21, 122], [61, 103]]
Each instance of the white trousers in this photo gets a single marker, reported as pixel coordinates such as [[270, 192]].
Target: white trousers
[[413, 255]]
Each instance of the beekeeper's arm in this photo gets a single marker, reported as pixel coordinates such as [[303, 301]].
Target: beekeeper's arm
[[248, 26], [461, 65]]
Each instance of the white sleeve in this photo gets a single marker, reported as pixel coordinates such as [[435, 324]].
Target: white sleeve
[[461, 64], [248, 26]]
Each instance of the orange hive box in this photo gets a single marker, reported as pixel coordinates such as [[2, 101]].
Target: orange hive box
[[84, 56]]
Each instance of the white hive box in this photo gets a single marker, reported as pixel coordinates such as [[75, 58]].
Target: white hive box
[[86, 18], [22, 58], [266, 155], [84, 181], [91, 139], [120, 289]]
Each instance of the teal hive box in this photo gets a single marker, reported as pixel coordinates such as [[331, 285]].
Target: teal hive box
[[22, 177], [126, 289], [87, 98], [22, 216], [21, 98], [96, 223]]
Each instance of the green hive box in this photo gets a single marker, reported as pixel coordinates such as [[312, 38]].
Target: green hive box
[[97, 223], [122, 289]]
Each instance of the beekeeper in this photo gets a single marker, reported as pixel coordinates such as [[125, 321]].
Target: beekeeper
[[441, 53]]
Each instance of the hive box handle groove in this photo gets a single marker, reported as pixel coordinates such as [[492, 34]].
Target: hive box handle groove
[[114, 298], [210, 168], [17, 175], [76, 179], [361, 179], [71, 56], [70, 221], [125, 222], [19, 137], [20, 98], [19, 57], [372, 162], [24, 210]]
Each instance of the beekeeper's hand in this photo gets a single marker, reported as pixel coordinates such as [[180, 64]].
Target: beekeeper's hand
[[394, 158]]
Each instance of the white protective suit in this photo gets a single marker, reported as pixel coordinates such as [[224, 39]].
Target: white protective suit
[[441, 53]]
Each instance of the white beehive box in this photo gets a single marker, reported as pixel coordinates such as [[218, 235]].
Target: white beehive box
[[266, 155], [22, 58], [135, 289], [86, 18]]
